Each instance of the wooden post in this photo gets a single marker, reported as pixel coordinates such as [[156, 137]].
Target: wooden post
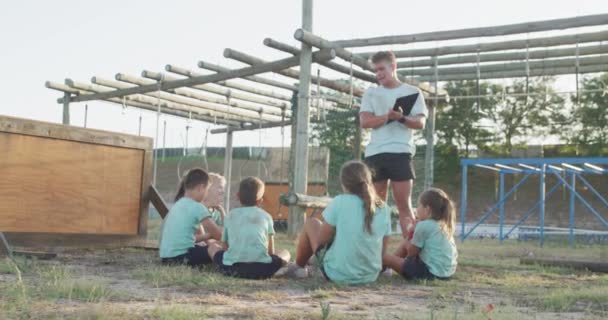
[[228, 170], [66, 108], [297, 215], [164, 139], [86, 114], [357, 140], [429, 158]]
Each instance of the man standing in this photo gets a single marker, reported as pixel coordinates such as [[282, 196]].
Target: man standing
[[391, 148]]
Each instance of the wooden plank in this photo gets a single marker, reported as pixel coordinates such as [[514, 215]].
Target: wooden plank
[[157, 201], [61, 186], [58, 131], [502, 30], [146, 194], [322, 55], [595, 266], [34, 254], [52, 241]]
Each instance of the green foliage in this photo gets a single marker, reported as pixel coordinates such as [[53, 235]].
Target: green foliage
[[586, 123], [337, 133]]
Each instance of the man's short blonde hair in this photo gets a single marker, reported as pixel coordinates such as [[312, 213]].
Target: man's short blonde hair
[[387, 56]]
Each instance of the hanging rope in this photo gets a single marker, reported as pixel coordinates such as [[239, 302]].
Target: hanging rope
[[478, 58], [204, 151], [157, 132], [350, 100], [577, 65], [527, 71]]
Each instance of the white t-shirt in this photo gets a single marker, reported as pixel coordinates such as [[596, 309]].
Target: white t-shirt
[[392, 137]]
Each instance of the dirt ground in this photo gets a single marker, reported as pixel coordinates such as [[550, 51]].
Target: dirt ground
[[130, 283]]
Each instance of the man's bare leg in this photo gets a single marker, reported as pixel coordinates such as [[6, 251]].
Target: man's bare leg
[[402, 193], [382, 189]]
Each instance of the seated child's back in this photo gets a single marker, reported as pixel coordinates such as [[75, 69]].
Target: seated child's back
[[246, 230]]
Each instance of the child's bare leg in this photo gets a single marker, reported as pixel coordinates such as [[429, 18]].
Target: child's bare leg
[[308, 242], [213, 248], [393, 262], [402, 249], [284, 255]]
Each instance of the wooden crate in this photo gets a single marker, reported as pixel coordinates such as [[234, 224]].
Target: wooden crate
[[63, 185], [274, 190]]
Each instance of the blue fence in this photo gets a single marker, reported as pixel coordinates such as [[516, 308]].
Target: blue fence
[[574, 168]]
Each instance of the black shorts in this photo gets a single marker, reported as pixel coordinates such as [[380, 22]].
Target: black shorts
[[195, 257], [248, 270], [391, 166], [415, 268], [320, 255]]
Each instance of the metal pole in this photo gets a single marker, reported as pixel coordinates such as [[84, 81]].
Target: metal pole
[[463, 202], [86, 114], [156, 139], [296, 214], [502, 206], [542, 204], [139, 129], [66, 108], [228, 169], [572, 199]]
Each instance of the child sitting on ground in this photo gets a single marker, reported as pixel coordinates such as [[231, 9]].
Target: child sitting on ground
[[213, 201], [249, 238], [432, 251], [178, 237], [351, 240]]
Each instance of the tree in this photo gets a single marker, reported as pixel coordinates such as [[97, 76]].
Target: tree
[[588, 121], [521, 116], [459, 122]]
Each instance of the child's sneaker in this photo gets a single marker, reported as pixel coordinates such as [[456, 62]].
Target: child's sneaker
[[295, 271], [387, 272], [282, 272]]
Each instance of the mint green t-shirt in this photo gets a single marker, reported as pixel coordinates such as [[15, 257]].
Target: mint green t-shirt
[[437, 250], [179, 226], [355, 256], [246, 232], [392, 137]]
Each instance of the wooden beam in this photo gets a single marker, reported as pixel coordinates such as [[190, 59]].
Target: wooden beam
[[195, 94], [510, 66], [505, 56], [248, 127], [220, 90], [158, 203], [365, 76], [216, 68], [287, 63], [304, 201], [593, 266], [327, 83], [66, 108], [319, 42], [501, 45], [502, 30], [229, 84], [519, 73], [129, 101], [269, 82], [194, 101]]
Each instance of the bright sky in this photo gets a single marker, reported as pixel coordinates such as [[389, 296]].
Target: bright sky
[[54, 40]]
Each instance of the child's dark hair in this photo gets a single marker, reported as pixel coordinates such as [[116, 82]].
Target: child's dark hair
[[356, 178], [251, 190], [442, 208], [193, 178]]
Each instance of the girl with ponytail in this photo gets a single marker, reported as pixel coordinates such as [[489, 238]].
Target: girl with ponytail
[[351, 238], [179, 236], [432, 251]]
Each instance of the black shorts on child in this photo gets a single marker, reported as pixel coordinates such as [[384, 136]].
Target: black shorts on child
[[415, 268], [195, 257], [248, 270]]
